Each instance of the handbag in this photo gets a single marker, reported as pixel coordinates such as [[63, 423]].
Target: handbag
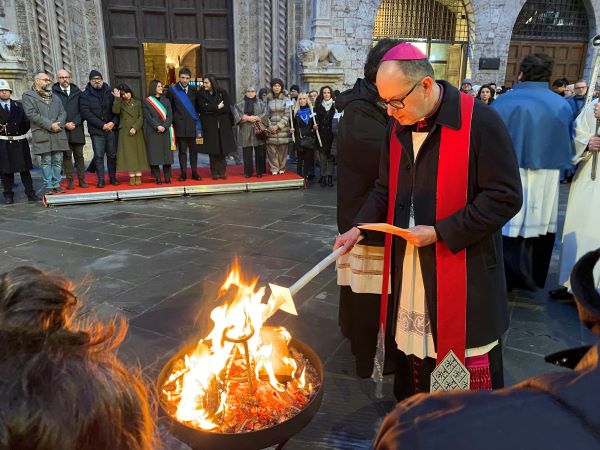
[[308, 142], [260, 129]]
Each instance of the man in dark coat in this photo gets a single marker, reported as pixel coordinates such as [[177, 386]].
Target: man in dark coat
[[422, 109], [360, 138], [185, 124], [548, 412], [69, 94], [95, 105], [14, 148]]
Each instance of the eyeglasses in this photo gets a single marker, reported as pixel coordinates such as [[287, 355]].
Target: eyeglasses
[[397, 103], [96, 79], [63, 78]]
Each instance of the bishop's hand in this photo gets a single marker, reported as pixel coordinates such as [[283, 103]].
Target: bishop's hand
[[347, 240], [421, 235]]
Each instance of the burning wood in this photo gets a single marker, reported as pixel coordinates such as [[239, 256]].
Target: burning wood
[[243, 376]]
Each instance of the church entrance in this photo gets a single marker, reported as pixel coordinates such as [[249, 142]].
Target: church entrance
[[438, 27], [149, 39], [558, 28]]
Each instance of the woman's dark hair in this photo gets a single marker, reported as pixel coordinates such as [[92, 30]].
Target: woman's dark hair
[[492, 93], [123, 87], [536, 67], [375, 55], [262, 91], [214, 84], [152, 87], [62, 385], [320, 96]]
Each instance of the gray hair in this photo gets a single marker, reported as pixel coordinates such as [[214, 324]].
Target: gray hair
[[416, 69]]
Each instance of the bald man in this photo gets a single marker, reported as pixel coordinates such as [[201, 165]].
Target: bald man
[[448, 175], [69, 93]]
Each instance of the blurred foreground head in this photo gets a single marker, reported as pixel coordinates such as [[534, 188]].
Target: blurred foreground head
[[61, 385]]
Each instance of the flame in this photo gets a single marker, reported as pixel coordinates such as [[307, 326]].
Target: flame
[[200, 387]]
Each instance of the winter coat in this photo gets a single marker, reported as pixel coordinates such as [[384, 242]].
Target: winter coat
[[158, 145], [278, 114], [555, 411], [14, 155], [494, 196], [324, 120], [96, 108], [360, 139], [248, 138], [216, 123], [71, 105], [42, 115], [184, 124], [131, 152], [301, 130]]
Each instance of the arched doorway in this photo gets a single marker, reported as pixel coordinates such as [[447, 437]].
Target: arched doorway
[[558, 28], [440, 28]]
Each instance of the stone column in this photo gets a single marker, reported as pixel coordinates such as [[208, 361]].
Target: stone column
[[12, 62], [320, 57]]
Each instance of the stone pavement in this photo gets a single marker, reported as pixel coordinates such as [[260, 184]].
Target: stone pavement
[[161, 262]]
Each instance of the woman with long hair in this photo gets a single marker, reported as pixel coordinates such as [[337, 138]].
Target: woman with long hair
[[131, 152], [62, 386], [278, 121], [158, 131], [214, 107], [250, 110], [485, 94], [304, 131], [325, 110]]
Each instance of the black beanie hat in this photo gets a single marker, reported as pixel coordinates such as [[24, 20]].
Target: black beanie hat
[[278, 81], [295, 87], [94, 73]]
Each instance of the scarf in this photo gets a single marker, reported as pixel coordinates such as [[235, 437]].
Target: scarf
[[304, 114], [46, 95], [249, 104], [327, 104]]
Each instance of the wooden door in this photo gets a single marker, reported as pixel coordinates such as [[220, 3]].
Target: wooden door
[[569, 58], [130, 23], [454, 65]]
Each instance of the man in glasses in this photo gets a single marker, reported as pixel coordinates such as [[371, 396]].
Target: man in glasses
[[449, 178]]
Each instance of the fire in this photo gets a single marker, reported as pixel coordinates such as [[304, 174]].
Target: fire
[[239, 354]]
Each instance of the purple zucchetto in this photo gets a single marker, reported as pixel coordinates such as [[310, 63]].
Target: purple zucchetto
[[403, 52]]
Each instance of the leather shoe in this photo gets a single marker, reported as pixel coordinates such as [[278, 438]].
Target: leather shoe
[[115, 182], [70, 185], [59, 190], [223, 177], [9, 199], [182, 178], [561, 293], [100, 184], [195, 176], [32, 197]]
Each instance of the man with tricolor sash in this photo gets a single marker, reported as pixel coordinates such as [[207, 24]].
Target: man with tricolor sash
[[186, 121], [449, 178]]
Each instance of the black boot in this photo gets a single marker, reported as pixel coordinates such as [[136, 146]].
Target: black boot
[[82, 182], [195, 176], [9, 198], [167, 172], [70, 185], [330, 180]]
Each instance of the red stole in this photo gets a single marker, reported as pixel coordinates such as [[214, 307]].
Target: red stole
[[451, 196]]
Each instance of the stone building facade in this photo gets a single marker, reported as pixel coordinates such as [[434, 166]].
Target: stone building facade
[[308, 42]]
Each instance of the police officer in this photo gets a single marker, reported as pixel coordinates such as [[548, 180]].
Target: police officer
[[14, 148]]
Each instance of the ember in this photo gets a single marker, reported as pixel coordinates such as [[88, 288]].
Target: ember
[[244, 376]]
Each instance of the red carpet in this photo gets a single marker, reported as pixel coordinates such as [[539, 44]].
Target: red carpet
[[235, 174]]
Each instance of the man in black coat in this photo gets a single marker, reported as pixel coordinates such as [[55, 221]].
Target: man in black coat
[[555, 411], [69, 94], [185, 124], [422, 108], [360, 139], [14, 148], [95, 105]]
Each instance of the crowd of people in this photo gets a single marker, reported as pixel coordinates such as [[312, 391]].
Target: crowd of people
[[133, 135]]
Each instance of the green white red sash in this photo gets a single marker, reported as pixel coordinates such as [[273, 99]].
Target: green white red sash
[[162, 112], [451, 268]]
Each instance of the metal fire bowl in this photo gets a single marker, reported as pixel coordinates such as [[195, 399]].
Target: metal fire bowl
[[251, 440]]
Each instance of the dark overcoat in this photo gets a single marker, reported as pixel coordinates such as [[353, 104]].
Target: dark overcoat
[[216, 123], [71, 105], [325, 122], [41, 116], [185, 125], [158, 145], [14, 155], [95, 106], [494, 196], [555, 411]]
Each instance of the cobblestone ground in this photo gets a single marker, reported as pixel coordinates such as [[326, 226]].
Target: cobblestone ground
[[160, 263]]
